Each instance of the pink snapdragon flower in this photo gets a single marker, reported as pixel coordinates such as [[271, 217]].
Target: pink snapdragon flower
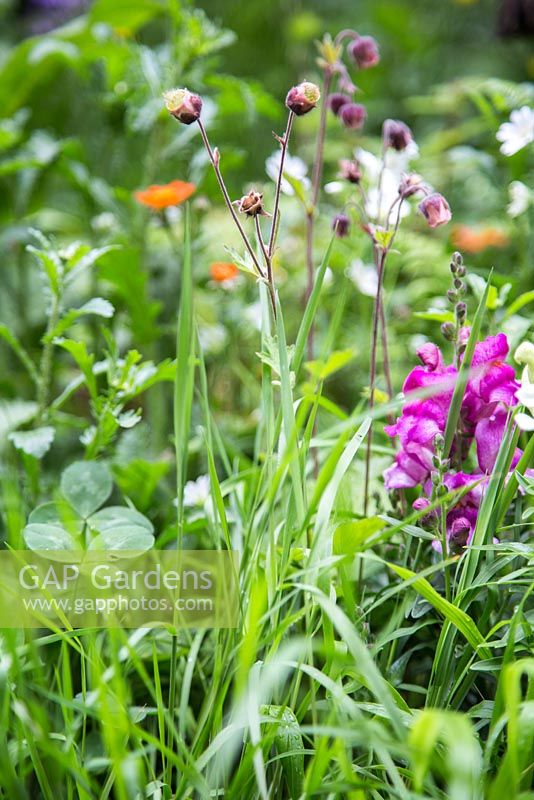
[[489, 394]]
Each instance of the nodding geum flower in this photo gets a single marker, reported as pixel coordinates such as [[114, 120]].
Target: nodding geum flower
[[396, 134], [183, 105], [364, 51], [353, 115], [303, 98], [336, 101], [341, 225], [435, 210]]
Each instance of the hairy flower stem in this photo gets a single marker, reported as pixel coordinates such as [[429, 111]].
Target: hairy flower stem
[[46, 360], [380, 256], [316, 185], [284, 143], [268, 264], [214, 159]]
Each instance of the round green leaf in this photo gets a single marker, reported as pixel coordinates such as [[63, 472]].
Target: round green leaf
[[60, 514], [86, 485], [123, 537], [118, 516], [39, 536]]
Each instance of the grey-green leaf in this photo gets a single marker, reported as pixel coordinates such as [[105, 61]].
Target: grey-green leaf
[[40, 536], [86, 485]]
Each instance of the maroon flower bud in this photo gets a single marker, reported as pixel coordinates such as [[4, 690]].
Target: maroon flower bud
[[251, 204], [396, 134], [303, 98], [460, 532], [341, 225], [364, 51], [183, 105], [350, 171], [336, 101], [435, 210], [353, 115]]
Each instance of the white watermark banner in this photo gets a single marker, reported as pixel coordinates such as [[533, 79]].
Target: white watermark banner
[[118, 588]]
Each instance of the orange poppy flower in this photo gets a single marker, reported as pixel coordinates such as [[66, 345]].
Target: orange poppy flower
[[171, 194], [221, 271], [472, 240]]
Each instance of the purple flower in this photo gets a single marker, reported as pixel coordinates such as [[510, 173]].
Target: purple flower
[[364, 51], [303, 98], [353, 115], [435, 209], [350, 171], [336, 101], [484, 414], [341, 225], [183, 105], [396, 134]]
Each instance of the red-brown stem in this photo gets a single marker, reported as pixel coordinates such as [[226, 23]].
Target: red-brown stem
[[316, 185], [274, 226], [380, 257], [268, 263], [214, 159]]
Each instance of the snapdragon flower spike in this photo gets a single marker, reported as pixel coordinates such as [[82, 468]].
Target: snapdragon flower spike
[[183, 105], [337, 100], [396, 134], [303, 98], [353, 115], [341, 225], [489, 395], [364, 51], [435, 210]]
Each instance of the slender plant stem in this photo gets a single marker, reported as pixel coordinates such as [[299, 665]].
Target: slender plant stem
[[284, 143], [268, 263], [214, 159], [316, 185], [46, 359]]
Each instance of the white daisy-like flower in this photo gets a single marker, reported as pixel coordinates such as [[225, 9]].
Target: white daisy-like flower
[[212, 337], [525, 395], [197, 493], [380, 200], [364, 277], [520, 198], [294, 167], [517, 133]]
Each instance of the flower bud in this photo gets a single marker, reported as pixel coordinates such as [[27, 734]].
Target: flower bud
[[461, 312], [448, 330], [353, 115], [350, 171], [336, 101], [396, 134], [463, 336], [435, 209], [364, 51], [451, 294], [251, 204], [410, 184], [303, 98], [183, 105], [421, 503], [341, 225]]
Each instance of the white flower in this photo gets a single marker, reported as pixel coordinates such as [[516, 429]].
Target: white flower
[[517, 133], [212, 338], [294, 167], [197, 493], [520, 198], [525, 395], [364, 277], [380, 200]]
